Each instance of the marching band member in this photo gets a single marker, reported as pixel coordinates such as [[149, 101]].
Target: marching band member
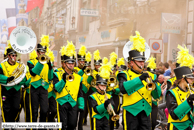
[[121, 65], [81, 56], [41, 75], [179, 99], [52, 111], [97, 100], [68, 87], [114, 89], [151, 68], [92, 89], [137, 98], [10, 95]]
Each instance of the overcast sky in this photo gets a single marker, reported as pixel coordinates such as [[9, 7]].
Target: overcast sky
[[5, 4]]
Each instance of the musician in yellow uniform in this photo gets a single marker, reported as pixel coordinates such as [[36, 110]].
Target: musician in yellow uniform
[[98, 101], [151, 68], [68, 87], [10, 95], [52, 111], [179, 99], [41, 75], [81, 56], [137, 98]]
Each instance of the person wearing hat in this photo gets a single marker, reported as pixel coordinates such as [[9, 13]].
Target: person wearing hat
[[113, 89], [69, 94], [137, 98], [151, 68], [41, 75], [85, 88], [10, 95], [98, 102], [81, 56], [179, 99], [52, 110]]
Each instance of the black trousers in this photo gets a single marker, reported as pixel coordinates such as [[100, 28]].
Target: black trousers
[[39, 98], [154, 115], [68, 116], [90, 108], [26, 107], [52, 111], [10, 104], [116, 100], [100, 124], [139, 122], [21, 104]]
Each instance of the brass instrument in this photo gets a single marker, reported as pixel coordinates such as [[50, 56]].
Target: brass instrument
[[150, 85], [43, 59], [22, 42], [93, 83], [110, 110], [190, 87], [88, 71], [70, 77], [112, 82]]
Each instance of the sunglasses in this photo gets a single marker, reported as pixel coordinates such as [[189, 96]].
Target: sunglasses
[[13, 55]]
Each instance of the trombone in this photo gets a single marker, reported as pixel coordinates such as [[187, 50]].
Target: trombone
[[110, 110]]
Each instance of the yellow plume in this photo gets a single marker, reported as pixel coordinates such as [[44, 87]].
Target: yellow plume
[[105, 70], [50, 54], [88, 56], [105, 60], [151, 63], [120, 62], [70, 49], [184, 58], [8, 47], [82, 50], [113, 58], [33, 55], [138, 42], [97, 55], [62, 50], [45, 40]]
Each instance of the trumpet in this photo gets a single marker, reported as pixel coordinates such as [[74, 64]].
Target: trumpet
[[93, 83], [88, 71], [43, 59], [150, 85], [112, 82], [190, 87], [70, 77], [110, 110]]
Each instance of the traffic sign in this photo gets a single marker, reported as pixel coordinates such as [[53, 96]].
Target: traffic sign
[[156, 45]]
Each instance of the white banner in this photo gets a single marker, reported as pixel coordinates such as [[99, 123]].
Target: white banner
[[25, 125], [89, 12]]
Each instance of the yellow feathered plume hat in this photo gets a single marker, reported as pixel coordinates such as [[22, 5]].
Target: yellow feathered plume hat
[[44, 44], [104, 72], [50, 54], [97, 58], [68, 53], [186, 61], [63, 52], [33, 55], [138, 48], [151, 64], [88, 58], [9, 49], [121, 64], [113, 60], [82, 53]]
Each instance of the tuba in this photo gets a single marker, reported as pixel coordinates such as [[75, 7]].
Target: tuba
[[110, 110], [23, 40]]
